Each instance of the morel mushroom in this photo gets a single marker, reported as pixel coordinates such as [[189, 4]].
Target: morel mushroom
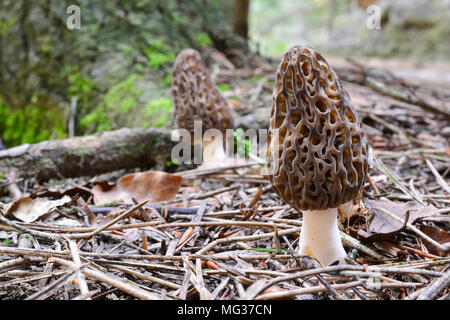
[[318, 149], [196, 98]]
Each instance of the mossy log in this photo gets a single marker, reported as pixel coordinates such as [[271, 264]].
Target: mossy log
[[89, 155]]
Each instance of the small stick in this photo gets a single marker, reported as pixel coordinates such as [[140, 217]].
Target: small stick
[[438, 177], [416, 251], [16, 226], [53, 286], [180, 210], [81, 280], [389, 174], [191, 230], [435, 287], [114, 221], [32, 278], [86, 296], [406, 97], [354, 243], [398, 130], [247, 238], [11, 263], [203, 291], [192, 174], [128, 287], [145, 276], [329, 287], [219, 288], [373, 185], [248, 224], [295, 292]]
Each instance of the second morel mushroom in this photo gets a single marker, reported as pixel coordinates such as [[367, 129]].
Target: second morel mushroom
[[318, 149], [196, 98]]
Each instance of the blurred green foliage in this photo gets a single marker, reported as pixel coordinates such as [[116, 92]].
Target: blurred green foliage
[[158, 54], [203, 39], [160, 111], [242, 143], [223, 87], [6, 24], [116, 104], [30, 124]]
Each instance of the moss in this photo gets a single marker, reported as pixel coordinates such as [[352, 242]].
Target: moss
[[5, 26], [116, 105], [25, 125], [159, 111], [203, 39], [158, 54], [81, 152]]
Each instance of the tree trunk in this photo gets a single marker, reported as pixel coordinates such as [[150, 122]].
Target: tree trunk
[[240, 18], [89, 155]]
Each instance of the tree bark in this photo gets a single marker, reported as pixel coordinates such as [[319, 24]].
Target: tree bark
[[240, 18], [89, 155]]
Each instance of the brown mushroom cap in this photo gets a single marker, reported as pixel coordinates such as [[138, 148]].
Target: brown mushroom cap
[[195, 97], [322, 151]]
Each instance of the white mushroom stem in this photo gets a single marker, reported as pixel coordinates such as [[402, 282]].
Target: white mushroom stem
[[214, 155], [320, 233], [213, 152]]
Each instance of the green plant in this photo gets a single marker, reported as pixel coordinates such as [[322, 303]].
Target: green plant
[[241, 143], [160, 111], [79, 85], [158, 54], [203, 39], [116, 104], [25, 125], [223, 87], [5, 26]]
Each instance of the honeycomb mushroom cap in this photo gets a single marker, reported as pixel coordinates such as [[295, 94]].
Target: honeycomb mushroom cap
[[195, 97], [318, 155]]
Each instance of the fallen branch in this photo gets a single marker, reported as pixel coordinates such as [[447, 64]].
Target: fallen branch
[[89, 155]]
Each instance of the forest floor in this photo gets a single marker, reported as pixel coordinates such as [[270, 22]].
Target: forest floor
[[224, 234]]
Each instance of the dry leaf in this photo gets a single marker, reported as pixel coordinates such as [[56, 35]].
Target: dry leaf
[[437, 234], [149, 185], [225, 198], [67, 222], [56, 194], [382, 226], [29, 210]]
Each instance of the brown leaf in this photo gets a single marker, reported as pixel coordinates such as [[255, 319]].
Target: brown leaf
[[56, 194], [149, 185], [383, 227], [437, 234], [29, 210]]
